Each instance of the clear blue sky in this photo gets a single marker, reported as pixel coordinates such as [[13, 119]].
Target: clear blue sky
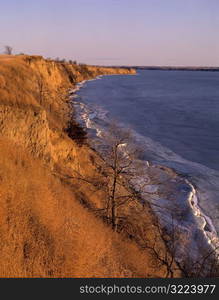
[[113, 32]]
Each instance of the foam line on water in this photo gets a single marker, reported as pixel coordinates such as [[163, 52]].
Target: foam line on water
[[89, 117]]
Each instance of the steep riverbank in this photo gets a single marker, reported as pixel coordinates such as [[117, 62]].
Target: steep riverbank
[[51, 222], [173, 196]]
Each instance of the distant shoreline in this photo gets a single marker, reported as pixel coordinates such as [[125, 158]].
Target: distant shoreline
[[206, 69], [169, 68]]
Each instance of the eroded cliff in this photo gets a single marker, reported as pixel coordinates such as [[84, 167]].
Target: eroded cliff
[[50, 226]]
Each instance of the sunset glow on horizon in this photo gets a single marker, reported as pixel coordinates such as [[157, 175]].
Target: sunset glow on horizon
[[110, 32]]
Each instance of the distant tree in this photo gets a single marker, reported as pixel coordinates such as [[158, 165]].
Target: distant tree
[[85, 70], [73, 62], [8, 50]]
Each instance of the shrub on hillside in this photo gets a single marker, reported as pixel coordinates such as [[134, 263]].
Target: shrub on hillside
[[76, 132]]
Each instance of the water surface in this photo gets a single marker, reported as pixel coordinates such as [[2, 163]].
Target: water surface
[[176, 116]]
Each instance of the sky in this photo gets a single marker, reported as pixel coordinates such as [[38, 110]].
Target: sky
[[114, 32]]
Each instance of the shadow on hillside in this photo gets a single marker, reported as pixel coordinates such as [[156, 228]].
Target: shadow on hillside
[[76, 132]]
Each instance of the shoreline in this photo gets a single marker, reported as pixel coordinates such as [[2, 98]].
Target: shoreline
[[201, 220], [169, 68], [47, 149]]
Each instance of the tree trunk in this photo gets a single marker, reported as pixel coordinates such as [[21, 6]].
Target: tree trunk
[[113, 201], [113, 214]]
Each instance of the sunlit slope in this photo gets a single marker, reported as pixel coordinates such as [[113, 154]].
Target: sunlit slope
[[49, 226]]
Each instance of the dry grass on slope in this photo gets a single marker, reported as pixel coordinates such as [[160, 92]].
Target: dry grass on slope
[[48, 227], [31, 81], [45, 232], [26, 85]]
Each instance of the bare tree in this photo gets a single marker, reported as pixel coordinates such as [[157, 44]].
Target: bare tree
[[205, 265], [117, 171], [121, 178], [164, 254], [169, 254], [72, 62], [8, 50], [121, 169]]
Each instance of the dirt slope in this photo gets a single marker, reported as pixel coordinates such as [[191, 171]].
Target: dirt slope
[[48, 222]]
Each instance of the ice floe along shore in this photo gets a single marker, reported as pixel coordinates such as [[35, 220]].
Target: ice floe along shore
[[173, 198]]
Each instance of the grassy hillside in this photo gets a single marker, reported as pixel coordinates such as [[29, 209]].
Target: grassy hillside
[[49, 225]]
